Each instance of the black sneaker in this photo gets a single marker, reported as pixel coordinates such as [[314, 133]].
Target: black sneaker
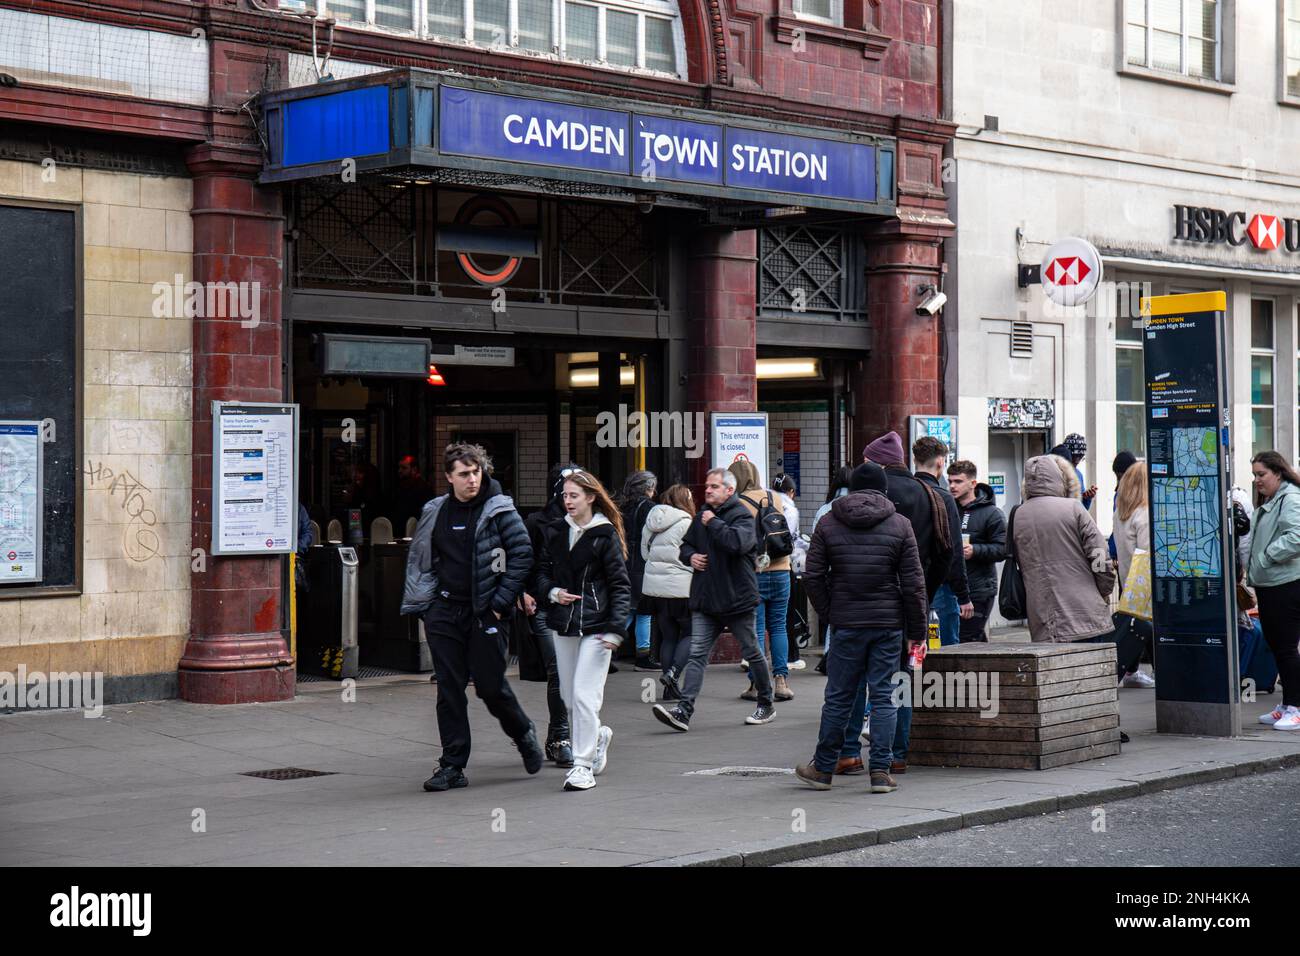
[[446, 778], [530, 749], [671, 690], [763, 715], [675, 718], [645, 662], [560, 751]]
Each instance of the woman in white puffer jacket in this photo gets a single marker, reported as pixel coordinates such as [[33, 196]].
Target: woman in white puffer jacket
[[668, 581]]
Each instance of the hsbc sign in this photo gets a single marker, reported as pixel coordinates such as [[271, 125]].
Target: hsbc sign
[[1216, 227]]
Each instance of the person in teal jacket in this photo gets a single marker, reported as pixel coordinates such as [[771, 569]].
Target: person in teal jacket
[[1274, 573]]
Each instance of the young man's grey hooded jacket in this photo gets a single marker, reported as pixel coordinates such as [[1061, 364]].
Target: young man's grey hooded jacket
[[503, 556]]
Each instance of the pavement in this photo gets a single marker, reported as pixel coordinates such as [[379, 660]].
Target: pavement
[[161, 783], [1245, 821]]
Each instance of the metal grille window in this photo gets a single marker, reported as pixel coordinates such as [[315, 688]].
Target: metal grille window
[[811, 270], [355, 235], [642, 35], [1262, 358], [605, 256], [1174, 36]]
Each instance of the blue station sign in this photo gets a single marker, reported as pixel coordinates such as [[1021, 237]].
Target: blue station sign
[[650, 148], [420, 118]]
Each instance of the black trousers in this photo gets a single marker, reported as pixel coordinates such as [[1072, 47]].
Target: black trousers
[[462, 649], [1279, 616], [972, 628], [558, 713]]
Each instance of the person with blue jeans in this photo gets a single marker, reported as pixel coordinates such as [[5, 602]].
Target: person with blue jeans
[[773, 584], [635, 501], [864, 576], [945, 605]]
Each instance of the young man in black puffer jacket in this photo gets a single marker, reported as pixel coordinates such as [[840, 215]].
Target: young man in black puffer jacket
[[864, 575], [469, 560]]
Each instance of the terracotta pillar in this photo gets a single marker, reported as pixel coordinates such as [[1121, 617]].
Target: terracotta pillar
[[722, 304], [236, 652], [903, 376]]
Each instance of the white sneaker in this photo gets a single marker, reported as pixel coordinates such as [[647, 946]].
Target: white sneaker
[[1138, 679], [579, 778], [1273, 716], [1290, 719], [602, 751], [865, 736], [798, 665], [744, 666]]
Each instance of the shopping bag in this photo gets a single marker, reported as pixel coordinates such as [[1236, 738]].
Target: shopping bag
[[1136, 599]]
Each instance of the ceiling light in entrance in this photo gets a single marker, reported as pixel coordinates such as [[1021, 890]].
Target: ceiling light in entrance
[[590, 377], [770, 369]]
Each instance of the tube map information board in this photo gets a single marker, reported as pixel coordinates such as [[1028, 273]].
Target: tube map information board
[[1193, 572]]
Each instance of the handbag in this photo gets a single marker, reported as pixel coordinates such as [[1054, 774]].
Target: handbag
[[1136, 599], [1013, 603]]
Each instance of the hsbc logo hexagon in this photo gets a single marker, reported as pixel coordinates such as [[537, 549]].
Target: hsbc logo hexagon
[[1264, 231]]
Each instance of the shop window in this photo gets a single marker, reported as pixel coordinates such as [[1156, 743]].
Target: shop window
[[1181, 38], [1290, 57], [1262, 361], [1130, 387], [41, 469], [811, 272]]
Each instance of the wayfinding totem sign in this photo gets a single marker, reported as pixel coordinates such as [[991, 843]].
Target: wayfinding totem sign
[[1193, 584]]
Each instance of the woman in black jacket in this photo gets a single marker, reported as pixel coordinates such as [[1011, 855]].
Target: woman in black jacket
[[582, 572]]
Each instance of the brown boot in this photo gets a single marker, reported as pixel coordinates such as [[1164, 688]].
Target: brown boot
[[750, 693], [898, 766], [813, 777], [781, 689], [849, 766]]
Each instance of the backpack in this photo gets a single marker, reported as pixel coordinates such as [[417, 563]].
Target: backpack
[[774, 538]]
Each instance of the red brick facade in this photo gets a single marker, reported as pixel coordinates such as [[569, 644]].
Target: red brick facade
[[878, 73]]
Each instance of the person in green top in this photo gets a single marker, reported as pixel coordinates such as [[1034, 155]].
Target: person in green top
[[1274, 573]]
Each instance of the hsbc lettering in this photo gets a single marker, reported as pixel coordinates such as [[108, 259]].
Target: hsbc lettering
[[1216, 227]]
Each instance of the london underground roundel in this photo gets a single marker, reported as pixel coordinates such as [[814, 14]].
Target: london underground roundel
[[1071, 271]]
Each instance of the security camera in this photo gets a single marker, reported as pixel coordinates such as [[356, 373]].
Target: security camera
[[932, 303]]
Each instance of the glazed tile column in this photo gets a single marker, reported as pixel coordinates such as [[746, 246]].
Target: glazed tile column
[[722, 303], [236, 652], [903, 376]]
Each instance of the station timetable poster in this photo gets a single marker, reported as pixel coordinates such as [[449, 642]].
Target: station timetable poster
[[254, 478], [1193, 572], [21, 506]]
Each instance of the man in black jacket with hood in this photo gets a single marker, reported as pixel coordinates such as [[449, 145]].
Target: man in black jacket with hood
[[720, 546], [984, 536], [470, 558], [863, 576]]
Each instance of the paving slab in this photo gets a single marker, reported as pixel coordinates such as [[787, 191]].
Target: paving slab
[[121, 789]]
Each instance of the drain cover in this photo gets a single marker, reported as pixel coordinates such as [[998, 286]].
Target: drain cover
[[362, 673], [287, 773], [739, 772]]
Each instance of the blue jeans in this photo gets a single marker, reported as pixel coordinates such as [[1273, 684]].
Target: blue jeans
[[773, 600], [902, 738], [859, 657], [642, 622], [945, 605]]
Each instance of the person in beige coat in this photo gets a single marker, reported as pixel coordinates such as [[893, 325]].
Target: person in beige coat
[[1062, 555]]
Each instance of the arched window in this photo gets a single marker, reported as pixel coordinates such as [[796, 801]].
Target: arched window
[[634, 35]]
